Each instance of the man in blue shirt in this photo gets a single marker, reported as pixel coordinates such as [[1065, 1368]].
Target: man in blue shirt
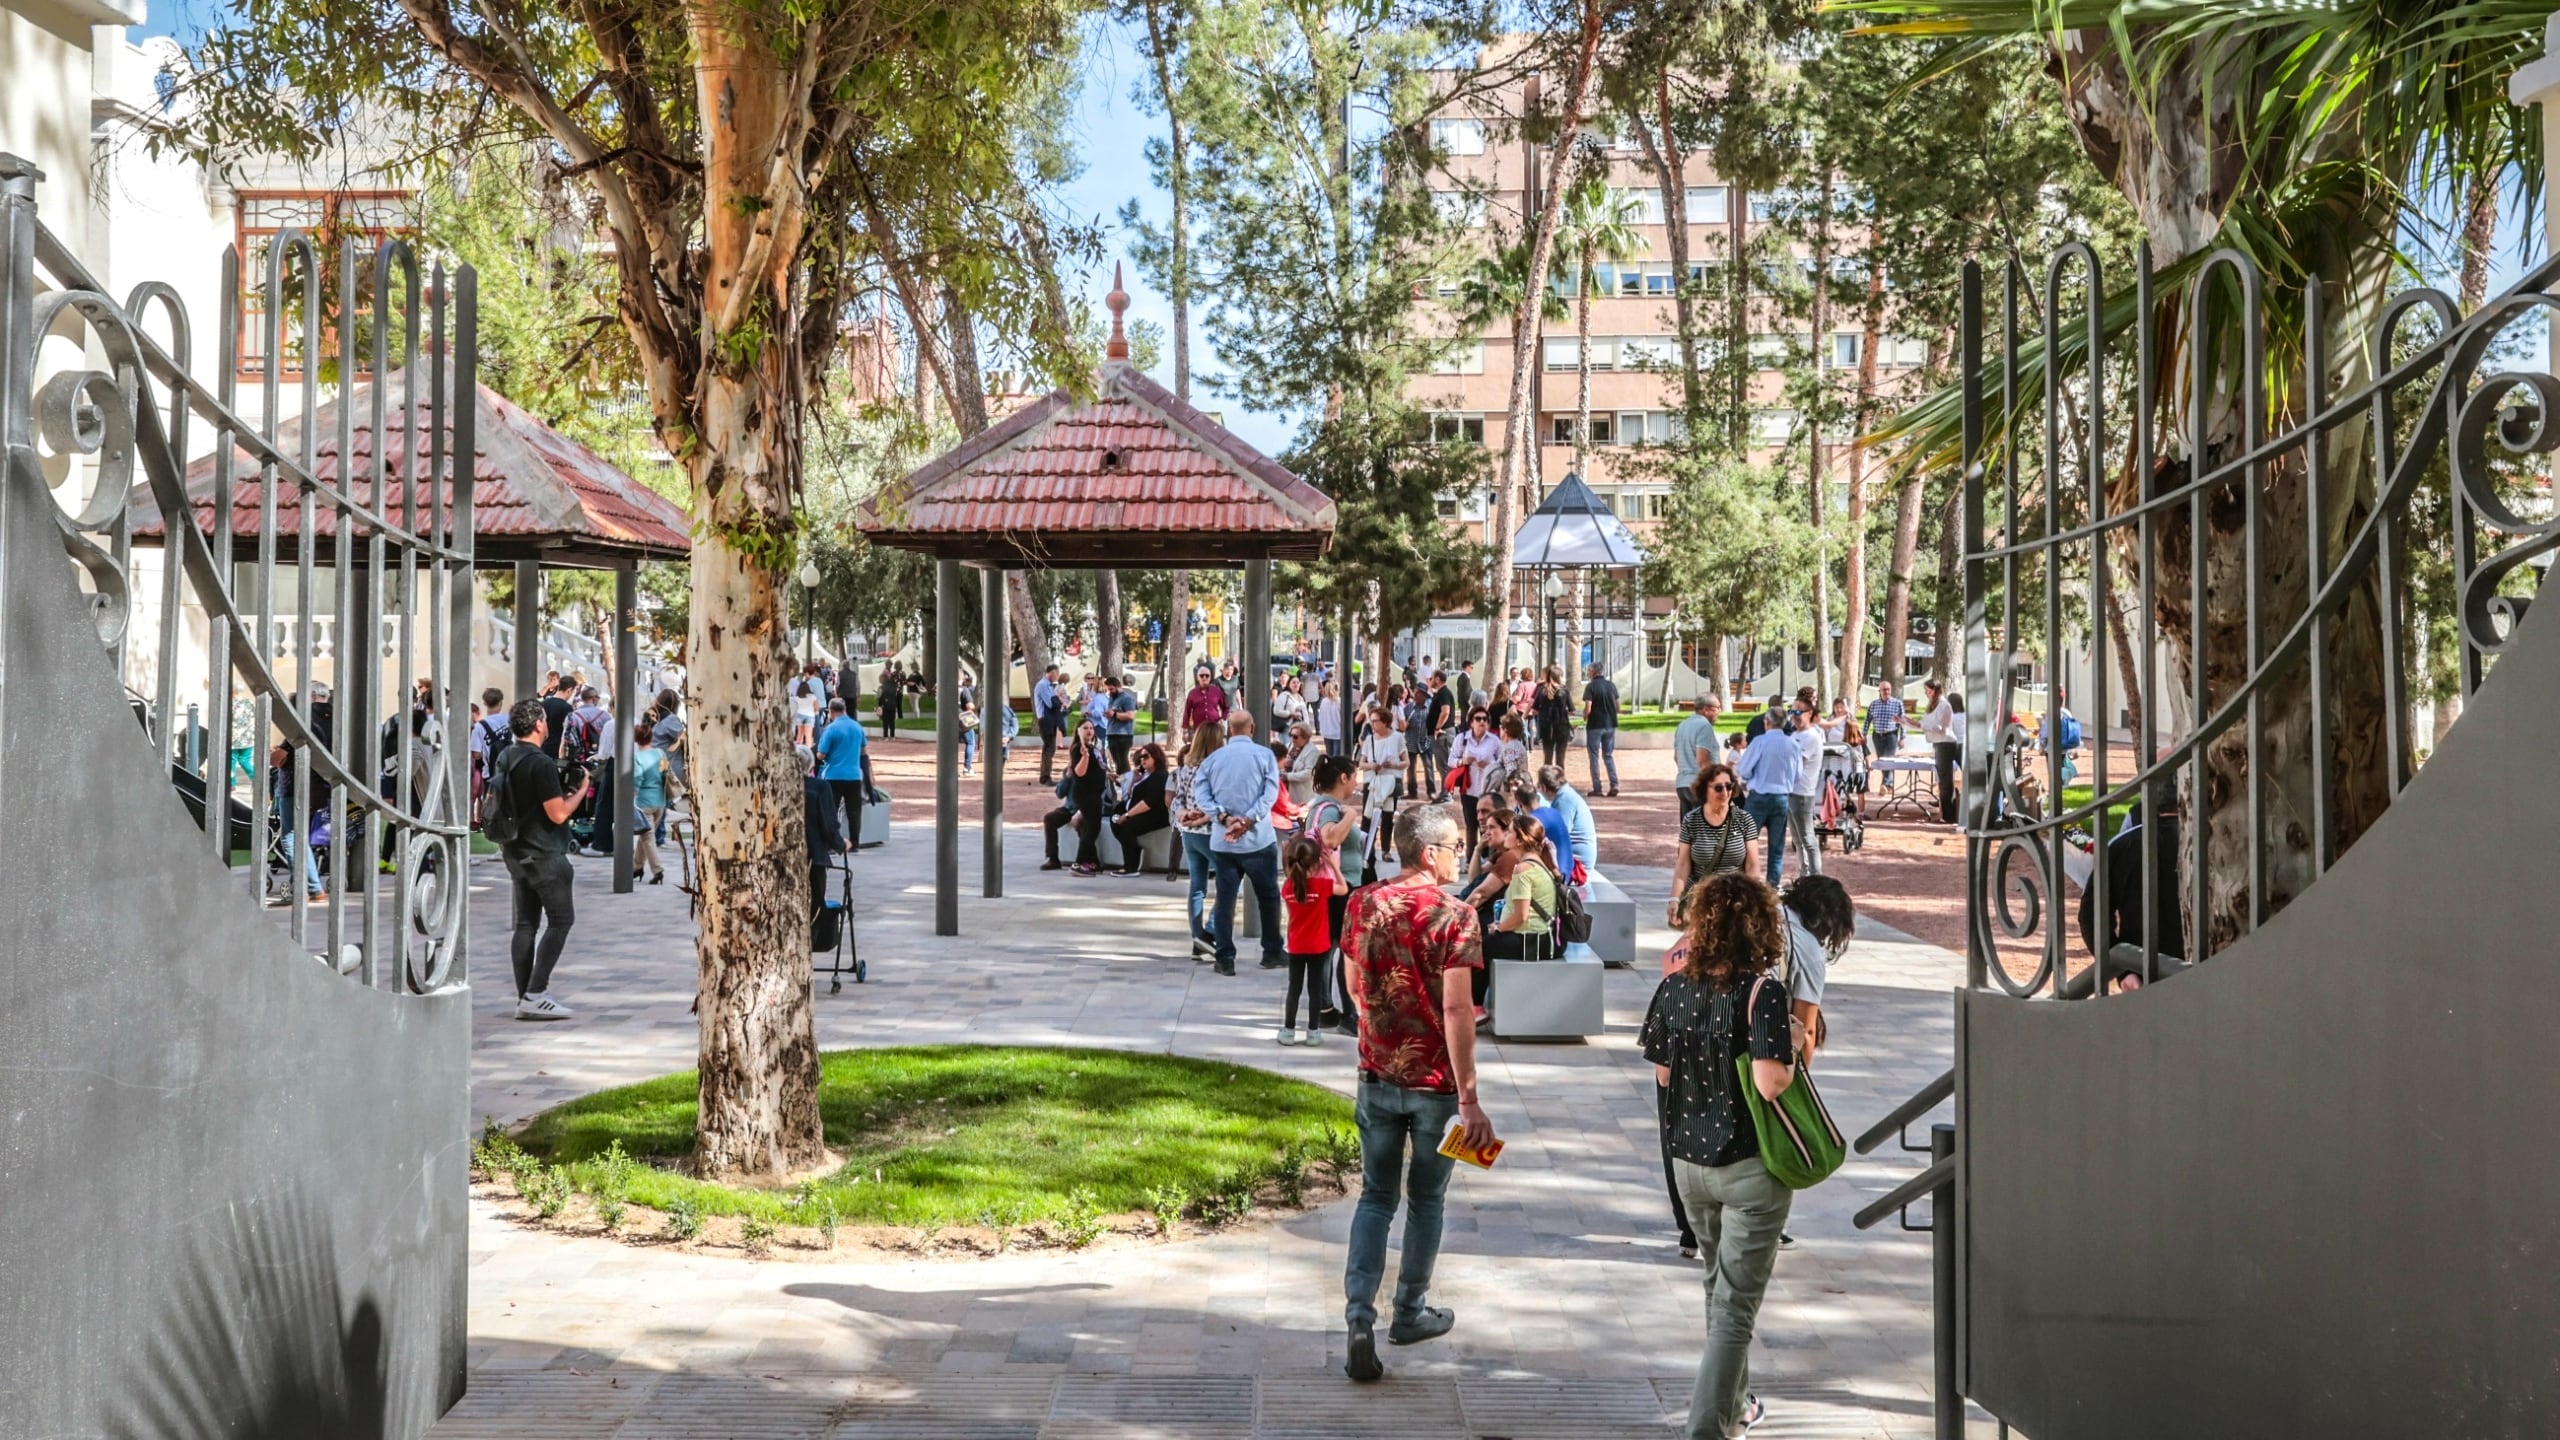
[[1119, 721], [1235, 788], [1582, 833], [1050, 709], [1767, 768], [844, 762], [1884, 720], [1694, 746]]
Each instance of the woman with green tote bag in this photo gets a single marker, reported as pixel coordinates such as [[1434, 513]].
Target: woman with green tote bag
[[1707, 1018]]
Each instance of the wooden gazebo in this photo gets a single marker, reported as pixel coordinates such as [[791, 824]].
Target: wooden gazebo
[[1130, 476], [539, 500]]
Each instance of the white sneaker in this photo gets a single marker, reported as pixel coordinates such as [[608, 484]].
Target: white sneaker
[[1286, 1036], [1309, 1037], [541, 1007]]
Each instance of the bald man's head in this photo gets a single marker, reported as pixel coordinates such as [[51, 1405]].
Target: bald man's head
[[1240, 723]]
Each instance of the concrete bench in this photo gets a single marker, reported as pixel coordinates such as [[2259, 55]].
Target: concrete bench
[[1613, 921], [1548, 999], [1155, 848]]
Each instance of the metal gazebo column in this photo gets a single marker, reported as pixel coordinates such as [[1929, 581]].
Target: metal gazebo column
[[946, 747], [624, 712], [528, 650], [1256, 677], [995, 697]]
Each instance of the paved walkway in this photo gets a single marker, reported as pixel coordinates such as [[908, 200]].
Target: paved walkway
[[1576, 1317]]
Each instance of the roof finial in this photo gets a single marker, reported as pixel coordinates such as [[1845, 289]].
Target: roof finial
[[1118, 301]]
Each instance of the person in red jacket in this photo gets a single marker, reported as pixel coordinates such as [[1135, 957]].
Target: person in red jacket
[[1206, 706]]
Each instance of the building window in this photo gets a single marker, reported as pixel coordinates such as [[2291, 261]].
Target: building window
[[1563, 355], [1774, 427], [1768, 352], [1706, 204], [1450, 428], [1845, 349], [1647, 352], [1901, 352], [1650, 427], [1604, 429], [1644, 205], [1464, 358], [1458, 137], [1463, 208], [363, 219]]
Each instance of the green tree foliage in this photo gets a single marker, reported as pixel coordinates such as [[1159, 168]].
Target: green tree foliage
[[1313, 233], [759, 171]]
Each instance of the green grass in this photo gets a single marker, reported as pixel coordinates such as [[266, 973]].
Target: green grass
[[2075, 796], [956, 1134], [1730, 722]]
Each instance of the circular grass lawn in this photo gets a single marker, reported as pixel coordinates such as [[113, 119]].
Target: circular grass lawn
[[970, 1134]]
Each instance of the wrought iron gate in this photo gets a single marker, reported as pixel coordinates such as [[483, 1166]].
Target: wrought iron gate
[[236, 1176], [2275, 1183]]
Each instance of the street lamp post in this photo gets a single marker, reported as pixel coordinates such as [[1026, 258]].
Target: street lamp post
[[1554, 591], [808, 578]]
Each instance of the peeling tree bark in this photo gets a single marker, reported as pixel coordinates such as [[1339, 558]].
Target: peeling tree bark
[[758, 1071], [1519, 436]]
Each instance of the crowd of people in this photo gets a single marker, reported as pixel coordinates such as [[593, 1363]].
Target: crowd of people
[[1392, 849]]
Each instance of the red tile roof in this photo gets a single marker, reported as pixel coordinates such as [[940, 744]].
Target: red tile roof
[[537, 494], [1132, 476]]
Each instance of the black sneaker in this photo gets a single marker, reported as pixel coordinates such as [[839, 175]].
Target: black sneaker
[[1273, 962], [1786, 1241], [1430, 1323], [1226, 967], [1360, 1361]]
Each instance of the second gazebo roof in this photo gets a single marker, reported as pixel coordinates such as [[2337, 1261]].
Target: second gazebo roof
[[1131, 477]]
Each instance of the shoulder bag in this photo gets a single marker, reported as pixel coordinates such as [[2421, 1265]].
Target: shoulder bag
[[1798, 1141]]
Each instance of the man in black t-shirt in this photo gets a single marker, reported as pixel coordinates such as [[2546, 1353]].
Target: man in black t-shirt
[[1600, 727], [538, 858], [555, 714], [1437, 714]]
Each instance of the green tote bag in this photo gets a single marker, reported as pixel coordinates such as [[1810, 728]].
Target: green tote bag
[[1798, 1141]]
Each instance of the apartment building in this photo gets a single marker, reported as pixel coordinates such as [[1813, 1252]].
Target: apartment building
[[1487, 182]]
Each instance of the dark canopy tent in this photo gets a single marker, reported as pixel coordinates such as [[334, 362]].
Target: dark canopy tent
[[540, 500], [1128, 477]]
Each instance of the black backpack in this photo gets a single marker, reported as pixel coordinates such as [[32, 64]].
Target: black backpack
[[497, 803], [580, 737], [1573, 921]]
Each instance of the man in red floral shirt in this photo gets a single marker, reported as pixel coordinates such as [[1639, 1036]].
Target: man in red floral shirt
[[1410, 951]]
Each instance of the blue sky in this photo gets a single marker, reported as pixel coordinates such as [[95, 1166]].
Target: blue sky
[[1112, 139], [1111, 136]]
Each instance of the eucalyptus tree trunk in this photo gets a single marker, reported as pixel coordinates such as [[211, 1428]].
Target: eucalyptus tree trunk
[[1661, 144], [1853, 582], [1519, 436], [1582, 370], [1819, 454], [757, 1076], [1110, 626], [1172, 678]]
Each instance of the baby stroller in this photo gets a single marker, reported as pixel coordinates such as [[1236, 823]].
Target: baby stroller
[[1838, 818], [831, 928]]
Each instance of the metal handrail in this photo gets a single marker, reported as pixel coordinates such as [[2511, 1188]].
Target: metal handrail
[[1900, 1116]]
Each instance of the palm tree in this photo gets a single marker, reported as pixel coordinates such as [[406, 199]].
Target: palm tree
[[2297, 134], [1599, 224]]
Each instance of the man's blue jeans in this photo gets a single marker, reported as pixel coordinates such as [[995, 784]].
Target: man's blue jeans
[[1391, 1120], [1195, 858], [1771, 813], [1599, 746], [1262, 867]]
